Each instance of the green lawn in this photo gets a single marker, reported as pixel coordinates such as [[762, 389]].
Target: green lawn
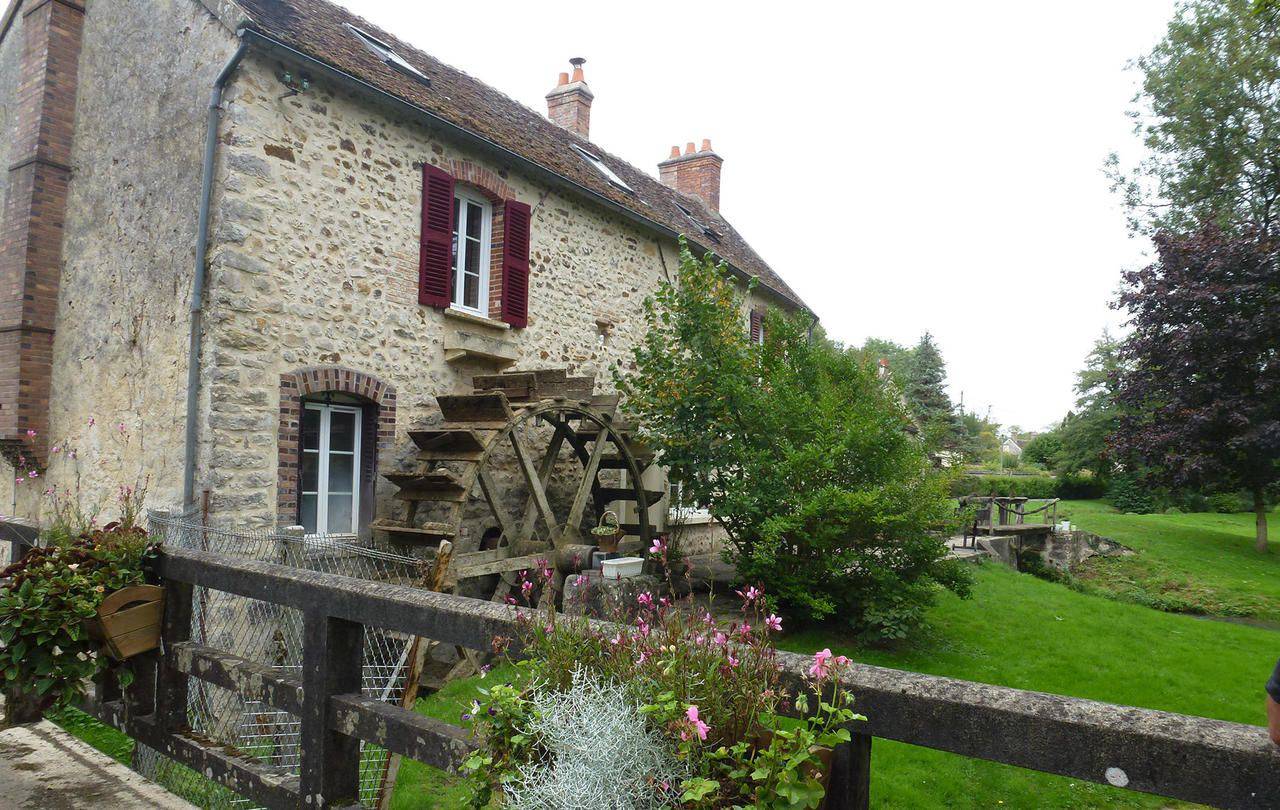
[[1193, 563]]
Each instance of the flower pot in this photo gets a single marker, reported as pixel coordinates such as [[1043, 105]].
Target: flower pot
[[129, 620]]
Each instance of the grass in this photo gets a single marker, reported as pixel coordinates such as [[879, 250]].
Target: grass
[[1201, 563]]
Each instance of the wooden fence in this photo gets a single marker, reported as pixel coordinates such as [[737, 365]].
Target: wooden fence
[[1191, 758]]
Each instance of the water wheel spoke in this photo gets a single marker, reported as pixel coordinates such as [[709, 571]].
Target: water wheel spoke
[[490, 491], [585, 488], [537, 504]]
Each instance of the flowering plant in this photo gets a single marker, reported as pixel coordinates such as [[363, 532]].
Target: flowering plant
[[713, 691], [46, 653]]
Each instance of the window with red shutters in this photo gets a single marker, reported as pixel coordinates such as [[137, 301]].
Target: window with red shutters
[[435, 260], [515, 263], [757, 326]]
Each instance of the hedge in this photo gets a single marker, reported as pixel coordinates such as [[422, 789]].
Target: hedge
[[1017, 486]]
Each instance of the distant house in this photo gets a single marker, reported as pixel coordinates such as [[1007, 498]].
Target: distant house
[[1011, 447]]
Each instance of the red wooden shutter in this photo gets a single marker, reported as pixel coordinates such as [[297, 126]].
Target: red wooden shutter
[[757, 326], [435, 259], [515, 263]]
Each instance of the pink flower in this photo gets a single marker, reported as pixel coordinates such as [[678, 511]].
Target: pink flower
[[31, 434], [121, 427], [720, 639], [700, 728], [750, 595], [92, 421], [617, 639], [820, 665], [19, 480], [56, 449], [526, 587], [641, 659], [774, 623], [580, 580], [645, 600], [33, 474], [658, 547], [744, 630], [733, 662]]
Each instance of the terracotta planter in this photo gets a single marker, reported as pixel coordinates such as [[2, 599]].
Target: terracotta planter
[[128, 621], [824, 755]]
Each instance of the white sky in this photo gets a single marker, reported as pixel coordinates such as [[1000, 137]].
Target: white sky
[[905, 166]]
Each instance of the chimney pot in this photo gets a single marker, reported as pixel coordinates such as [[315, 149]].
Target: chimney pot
[[696, 173], [569, 102]]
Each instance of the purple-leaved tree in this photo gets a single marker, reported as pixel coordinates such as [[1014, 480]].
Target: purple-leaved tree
[[1201, 381]]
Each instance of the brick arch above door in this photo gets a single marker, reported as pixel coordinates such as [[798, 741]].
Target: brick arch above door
[[312, 381]]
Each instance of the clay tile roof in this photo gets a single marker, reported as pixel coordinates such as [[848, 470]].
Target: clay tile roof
[[319, 30]]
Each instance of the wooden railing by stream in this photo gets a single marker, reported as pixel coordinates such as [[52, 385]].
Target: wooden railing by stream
[[1191, 758]]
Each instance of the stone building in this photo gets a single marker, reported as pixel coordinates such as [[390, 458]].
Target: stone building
[[380, 227]]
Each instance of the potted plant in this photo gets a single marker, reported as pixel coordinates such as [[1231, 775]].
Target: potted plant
[[64, 605], [607, 533]]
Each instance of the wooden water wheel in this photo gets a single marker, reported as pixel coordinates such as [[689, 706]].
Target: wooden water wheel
[[518, 473]]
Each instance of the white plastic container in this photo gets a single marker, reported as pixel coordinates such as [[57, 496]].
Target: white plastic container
[[1064, 526], [622, 568]]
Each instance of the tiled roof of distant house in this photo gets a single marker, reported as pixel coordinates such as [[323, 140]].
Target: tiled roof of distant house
[[320, 30]]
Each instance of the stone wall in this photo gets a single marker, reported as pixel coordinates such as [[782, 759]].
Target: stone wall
[[120, 346], [315, 264], [10, 56]]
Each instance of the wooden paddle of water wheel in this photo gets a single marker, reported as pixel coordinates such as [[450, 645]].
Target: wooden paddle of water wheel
[[516, 474]]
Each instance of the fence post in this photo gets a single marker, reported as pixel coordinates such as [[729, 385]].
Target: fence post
[[850, 787], [331, 665], [170, 684]]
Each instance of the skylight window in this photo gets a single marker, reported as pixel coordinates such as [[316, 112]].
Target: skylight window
[[603, 169], [387, 54]]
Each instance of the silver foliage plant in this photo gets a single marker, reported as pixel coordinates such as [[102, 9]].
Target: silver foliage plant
[[600, 756]]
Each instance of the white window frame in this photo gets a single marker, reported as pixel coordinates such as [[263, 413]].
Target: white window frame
[[322, 468], [459, 261]]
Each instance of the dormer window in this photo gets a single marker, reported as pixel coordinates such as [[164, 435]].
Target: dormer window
[[388, 55], [599, 166]]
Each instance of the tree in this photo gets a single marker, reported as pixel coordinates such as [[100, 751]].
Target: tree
[[1044, 449], [1210, 117], [924, 388], [1085, 433], [1200, 383], [798, 450], [901, 359]]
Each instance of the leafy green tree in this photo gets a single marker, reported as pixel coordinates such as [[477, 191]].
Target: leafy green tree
[[1085, 432], [1044, 449], [901, 359], [799, 451], [1209, 115]]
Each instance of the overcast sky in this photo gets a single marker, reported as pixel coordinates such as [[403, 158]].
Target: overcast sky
[[907, 167]]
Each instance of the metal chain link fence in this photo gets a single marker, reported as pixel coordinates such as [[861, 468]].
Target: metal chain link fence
[[272, 634]]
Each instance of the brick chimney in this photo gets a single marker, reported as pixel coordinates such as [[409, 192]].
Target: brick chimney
[[569, 104], [696, 173], [31, 222]]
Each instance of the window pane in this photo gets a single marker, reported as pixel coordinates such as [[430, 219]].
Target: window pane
[[310, 471], [310, 429], [341, 472], [475, 218], [340, 513], [342, 430], [307, 516], [471, 293]]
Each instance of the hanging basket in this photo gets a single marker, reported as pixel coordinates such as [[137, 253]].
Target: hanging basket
[[607, 533], [129, 620]]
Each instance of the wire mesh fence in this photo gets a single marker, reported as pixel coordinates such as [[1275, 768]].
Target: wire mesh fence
[[272, 634]]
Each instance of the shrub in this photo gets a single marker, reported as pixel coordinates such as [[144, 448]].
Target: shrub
[[1014, 486], [1075, 486], [46, 655], [796, 447], [1128, 494], [1227, 503]]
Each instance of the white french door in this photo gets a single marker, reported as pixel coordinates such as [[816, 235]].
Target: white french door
[[330, 475]]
